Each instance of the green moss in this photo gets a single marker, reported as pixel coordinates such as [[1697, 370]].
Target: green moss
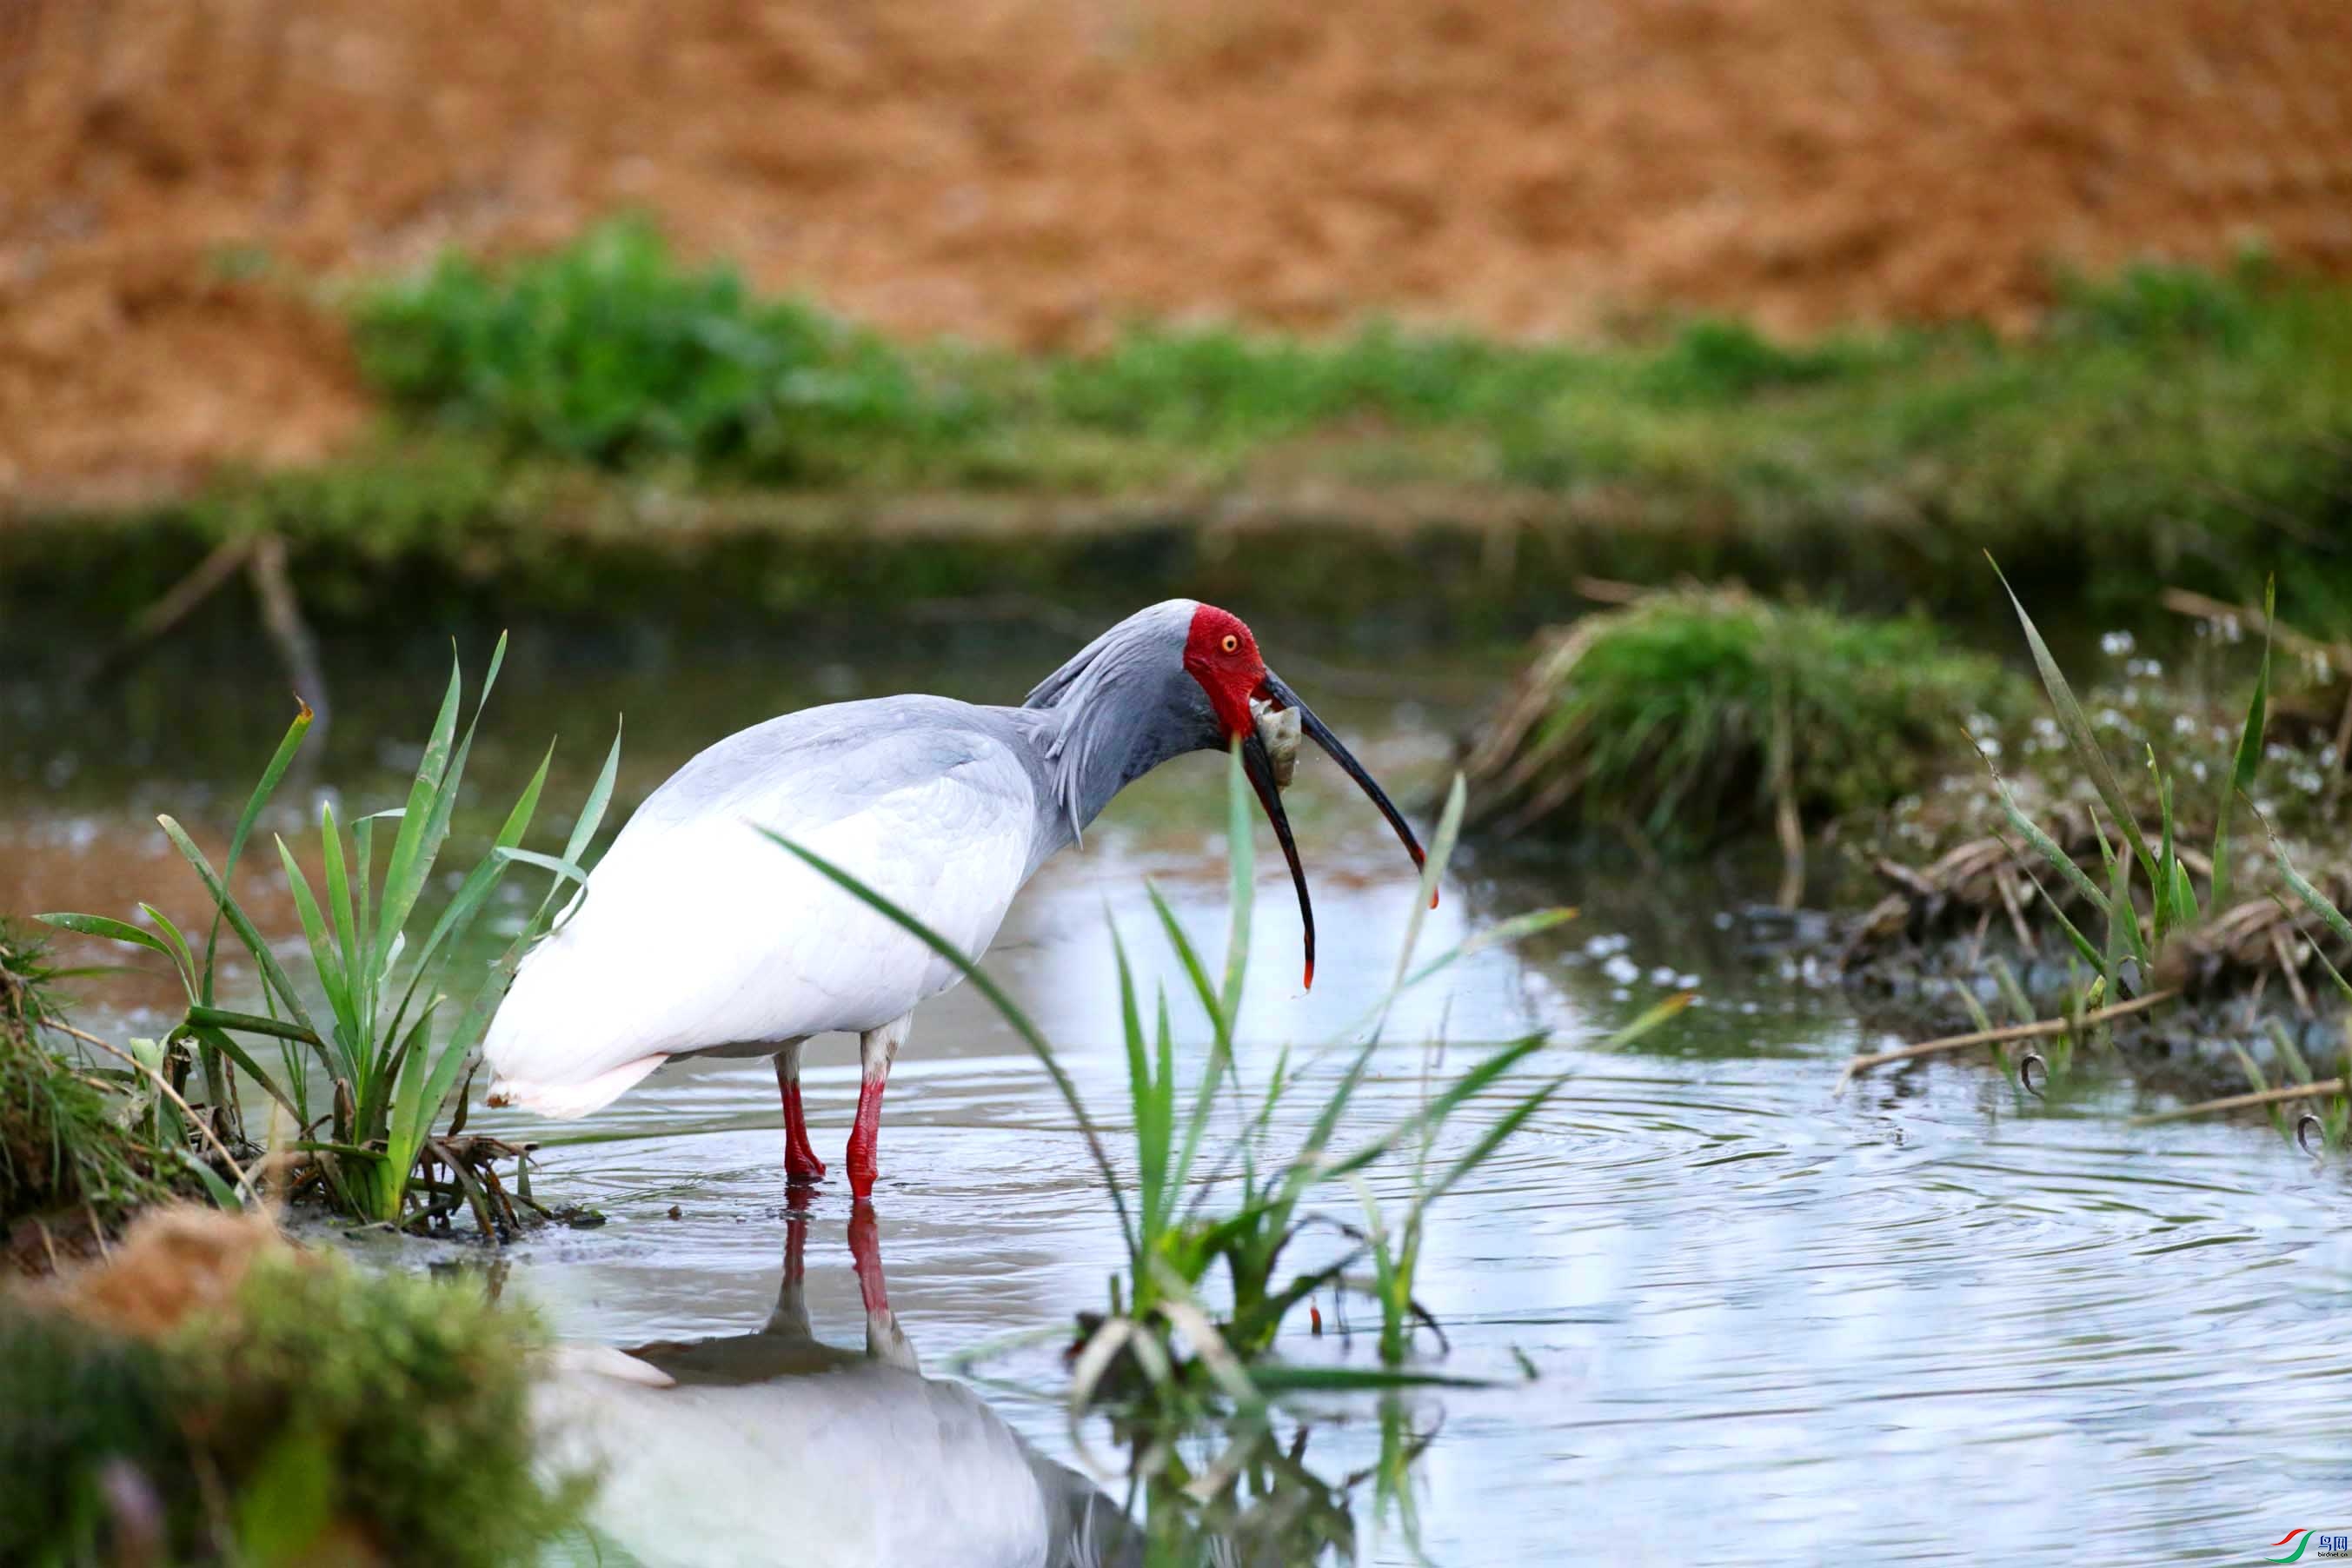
[[77, 1411], [414, 1395], [330, 1408], [1683, 714]]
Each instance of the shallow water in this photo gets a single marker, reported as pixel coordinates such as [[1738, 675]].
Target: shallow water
[[1933, 1317]]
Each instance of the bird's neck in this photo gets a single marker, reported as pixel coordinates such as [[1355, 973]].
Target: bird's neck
[[1103, 734]]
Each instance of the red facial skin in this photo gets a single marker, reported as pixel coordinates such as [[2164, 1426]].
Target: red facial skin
[[1223, 657], [1233, 674], [1230, 676]]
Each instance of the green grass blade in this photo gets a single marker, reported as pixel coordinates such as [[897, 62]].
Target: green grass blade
[[2163, 895], [272, 971], [2248, 759], [592, 817], [1241, 891], [2123, 918], [2047, 847], [256, 1024], [2315, 901], [2077, 726], [600, 795], [1440, 1107], [340, 919], [326, 964], [413, 1106], [1290, 1377], [2342, 984], [457, 918], [1005, 1007], [181, 953], [404, 876], [2082, 944], [1164, 1103], [220, 1040], [364, 886], [2184, 897], [1517, 929], [262, 791], [115, 930], [1479, 1152], [1151, 1149], [1220, 1048]]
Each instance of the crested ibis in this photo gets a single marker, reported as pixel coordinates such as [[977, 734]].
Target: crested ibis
[[694, 938]]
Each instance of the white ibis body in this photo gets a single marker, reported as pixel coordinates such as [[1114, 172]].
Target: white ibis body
[[696, 937]]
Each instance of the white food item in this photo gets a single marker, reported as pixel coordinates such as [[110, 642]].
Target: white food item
[[1278, 728]]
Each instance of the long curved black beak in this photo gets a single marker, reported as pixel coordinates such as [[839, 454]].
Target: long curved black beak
[[1259, 766]]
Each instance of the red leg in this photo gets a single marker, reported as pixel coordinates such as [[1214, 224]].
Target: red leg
[[866, 1251], [801, 1167], [862, 1135]]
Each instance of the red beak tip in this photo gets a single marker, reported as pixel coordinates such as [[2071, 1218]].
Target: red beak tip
[[1432, 897], [1310, 974]]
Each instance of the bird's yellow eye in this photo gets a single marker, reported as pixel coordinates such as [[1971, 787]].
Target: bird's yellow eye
[[1231, 642]]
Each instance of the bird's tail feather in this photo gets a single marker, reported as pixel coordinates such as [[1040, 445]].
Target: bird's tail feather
[[566, 1101]]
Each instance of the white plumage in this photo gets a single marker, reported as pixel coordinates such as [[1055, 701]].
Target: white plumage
[[699, 936]]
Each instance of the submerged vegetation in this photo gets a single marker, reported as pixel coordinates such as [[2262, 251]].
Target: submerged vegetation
[[365, 1068], [1692, 713], [212, 1395]]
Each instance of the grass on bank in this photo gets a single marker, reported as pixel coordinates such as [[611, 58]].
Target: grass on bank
[[82, 1144], [211, 1396], [2169, 421], [2139, 930], [1693, 714]]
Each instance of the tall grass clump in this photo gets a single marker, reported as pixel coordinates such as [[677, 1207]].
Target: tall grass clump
[[211, 1396], [608, 352], [1208, 1224], [74, 1143], [373, 1041], [1692, 713]]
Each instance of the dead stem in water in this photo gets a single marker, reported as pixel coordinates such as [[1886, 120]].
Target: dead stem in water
[[2038, 1030]]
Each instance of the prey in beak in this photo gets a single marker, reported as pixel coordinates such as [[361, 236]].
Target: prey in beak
[[1258, 708]]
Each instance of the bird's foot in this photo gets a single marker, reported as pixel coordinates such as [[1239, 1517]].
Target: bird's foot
[[802, 1168]]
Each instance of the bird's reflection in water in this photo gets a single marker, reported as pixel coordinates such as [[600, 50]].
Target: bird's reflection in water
[[773, 1447]]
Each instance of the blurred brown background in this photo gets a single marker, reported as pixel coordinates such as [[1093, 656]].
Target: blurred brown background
[[1036, 170]]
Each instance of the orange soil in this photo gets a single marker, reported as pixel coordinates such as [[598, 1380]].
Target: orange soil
[[1032, 171]]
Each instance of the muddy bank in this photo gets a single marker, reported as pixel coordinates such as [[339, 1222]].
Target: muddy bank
[[1040, 172]]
